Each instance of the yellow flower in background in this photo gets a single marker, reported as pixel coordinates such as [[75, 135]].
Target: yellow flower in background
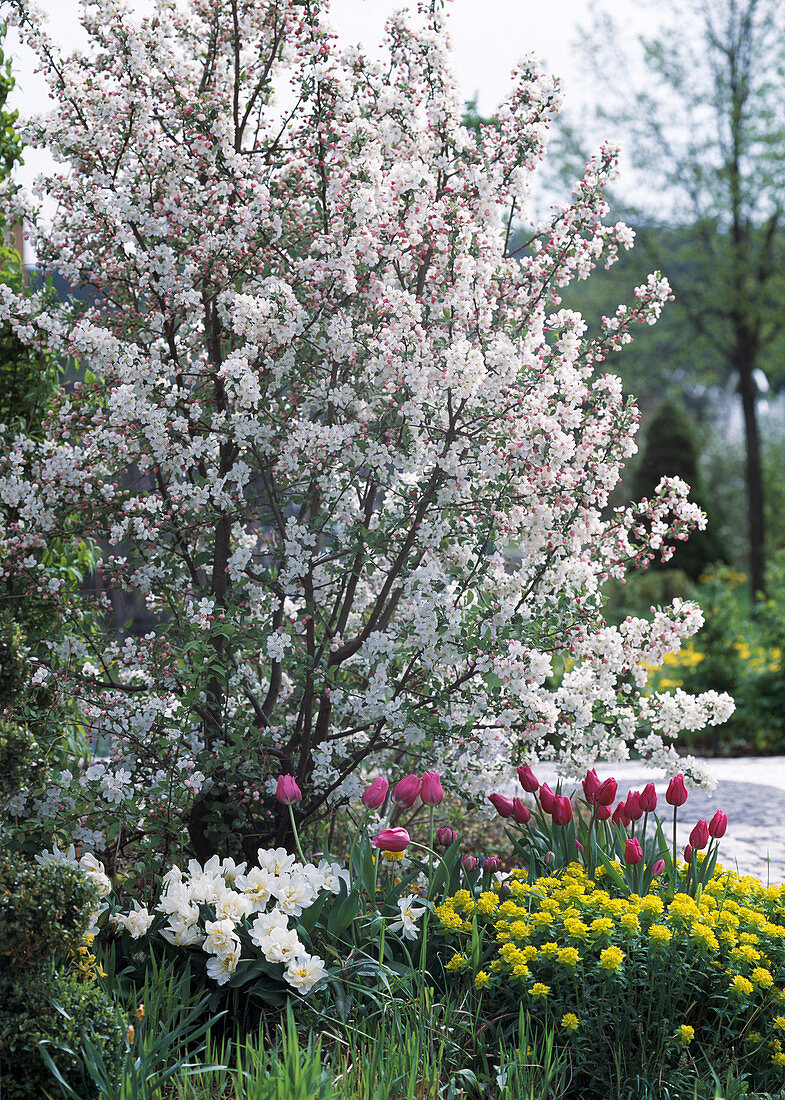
[[761, 977], [569, 957], [457, 963], [570, 1021], [481, 979], [659, 934], [685, 1034], [741, 985], [539, 989]]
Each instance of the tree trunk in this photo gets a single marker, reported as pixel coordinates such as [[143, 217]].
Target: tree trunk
[[754, 476]]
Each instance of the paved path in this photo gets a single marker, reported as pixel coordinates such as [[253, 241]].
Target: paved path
[[750, 790]]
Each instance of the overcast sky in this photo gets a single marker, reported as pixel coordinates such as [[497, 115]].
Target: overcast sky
[[488, 37]]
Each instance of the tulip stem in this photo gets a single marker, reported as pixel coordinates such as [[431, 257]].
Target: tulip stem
[[296, 836], [431, 853], [672, 888]]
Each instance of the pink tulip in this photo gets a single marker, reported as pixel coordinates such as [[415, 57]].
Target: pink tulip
[[606, 793], [688, 853], [633, 806], [520, 812], [491, 864], [431, 791], [620, 815], [287, 790], [405, 792], [633, 853], [374, 796], [528, 779], [470, 863], [658, 868], [562, 810], [649, 798], [547, 798], [591, 784], [602, 813], [445, 837], [391, 840], [502, 804], [579, 846], [699, 837], [718, 825], [676, 794]]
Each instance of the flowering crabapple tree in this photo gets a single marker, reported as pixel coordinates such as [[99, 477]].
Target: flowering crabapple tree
[[348, 448]]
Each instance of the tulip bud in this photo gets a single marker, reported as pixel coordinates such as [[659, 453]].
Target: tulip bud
[[658, 868], [391, 840], [445, 837], [405, 792], [649, 798], [491, 864], [591, 784], [502, 804], [620, 815], [602, 813], [633, 805], [579, 846], [431, 791], [633, 853], [547, 798], [562, 810], [676, 794], [287, 790], [520, 812], [528, 779], [699, 837], [606, 793], [470, 863], [688, 853], [374, 796], [718, 825]]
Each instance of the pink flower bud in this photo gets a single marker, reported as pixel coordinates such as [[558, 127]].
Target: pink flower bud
[[649, 798], [606, 793], [502, 804], [658, 868], [405, 792], [528, 779], [699, 837], [470, 863], [520, 812], [676, 794], [391, 840], [633, 853], [591, 784], [374, 796], [579, 846], [431, 791], [492, 864], [287, 790], [445, 837], [562, 810], [602, 813], [688, 853], [547, 798], [718, 825], [633, 805], [620, 815]]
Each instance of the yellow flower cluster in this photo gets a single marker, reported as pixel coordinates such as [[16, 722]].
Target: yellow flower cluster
[[554, 937]]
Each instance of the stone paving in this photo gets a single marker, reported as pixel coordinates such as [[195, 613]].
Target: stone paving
[[750, 790]]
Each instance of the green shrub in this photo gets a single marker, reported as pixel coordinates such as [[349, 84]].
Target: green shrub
[[39, 1005], [44, 912], [635, 988]]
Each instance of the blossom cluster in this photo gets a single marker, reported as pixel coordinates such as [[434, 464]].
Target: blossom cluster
[[232, 912]]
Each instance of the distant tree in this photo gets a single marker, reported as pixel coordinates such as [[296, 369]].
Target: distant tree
[[702, 110], [671, 449]]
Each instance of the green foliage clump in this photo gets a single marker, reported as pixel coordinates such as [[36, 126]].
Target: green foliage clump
[[44, 911], [38, 1006], [633, 987]]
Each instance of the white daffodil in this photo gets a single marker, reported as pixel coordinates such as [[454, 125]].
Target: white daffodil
[[410, 914], [294, 893], [257, 885], [304, 972], [221, 967], [182, 934], [221, 938], [265, 924], [281, 945], [138, 921], [276, 860], [232, 906]]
